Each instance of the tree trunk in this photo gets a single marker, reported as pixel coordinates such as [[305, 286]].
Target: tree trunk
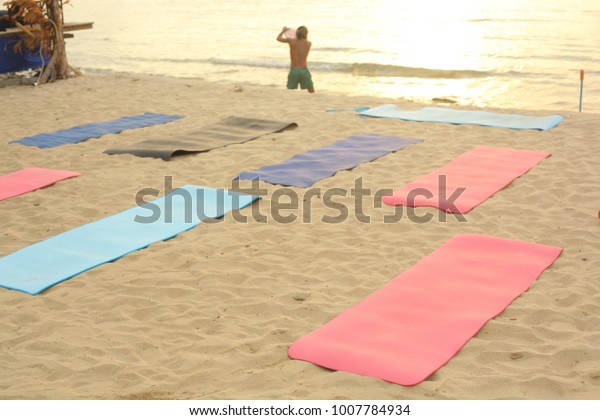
[[58, 67]]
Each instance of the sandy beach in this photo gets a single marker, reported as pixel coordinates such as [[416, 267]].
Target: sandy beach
[[211, 313]]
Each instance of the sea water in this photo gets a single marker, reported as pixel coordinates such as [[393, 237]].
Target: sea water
[[519, 54]]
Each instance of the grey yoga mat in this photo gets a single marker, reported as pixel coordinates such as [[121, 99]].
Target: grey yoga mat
[[231, 130]]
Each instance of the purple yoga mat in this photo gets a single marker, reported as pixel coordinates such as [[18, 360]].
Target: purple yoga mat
[[305, 169]]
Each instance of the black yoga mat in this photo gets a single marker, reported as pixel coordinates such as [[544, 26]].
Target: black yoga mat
[[231, 130]]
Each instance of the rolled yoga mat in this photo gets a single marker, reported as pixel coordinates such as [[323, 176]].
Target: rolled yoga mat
[[44, 264], [457, 116], [93, 130], [468, 180], [231, 130], [30, 179], [408, 329], [305, 169]]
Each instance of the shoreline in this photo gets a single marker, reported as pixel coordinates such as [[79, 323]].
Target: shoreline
[[434, 101], [210, 313]]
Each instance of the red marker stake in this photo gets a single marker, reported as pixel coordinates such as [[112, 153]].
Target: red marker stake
[[581, 74]]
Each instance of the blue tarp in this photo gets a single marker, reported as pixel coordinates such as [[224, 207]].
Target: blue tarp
[[305, 169], [11, 61]]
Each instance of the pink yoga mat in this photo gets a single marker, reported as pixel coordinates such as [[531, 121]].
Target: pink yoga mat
[[30, 179], [406, 330], [481, 172]]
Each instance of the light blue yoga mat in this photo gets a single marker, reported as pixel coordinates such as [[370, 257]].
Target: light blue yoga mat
[[456, 116], [44, 264], [305, 169], [93, 130], [359, 109]]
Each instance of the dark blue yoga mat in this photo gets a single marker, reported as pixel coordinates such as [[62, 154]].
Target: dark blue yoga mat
[[93, 130], [305, 169], [44, 264]]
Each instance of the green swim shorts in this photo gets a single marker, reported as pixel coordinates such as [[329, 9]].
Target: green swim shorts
[[299, 76]]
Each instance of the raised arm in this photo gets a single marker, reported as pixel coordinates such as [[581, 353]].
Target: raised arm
[[281, 38]]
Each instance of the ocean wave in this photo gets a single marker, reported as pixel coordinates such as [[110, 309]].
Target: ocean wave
[[387, 70], [366, 69], [510, 20], [356, 69]]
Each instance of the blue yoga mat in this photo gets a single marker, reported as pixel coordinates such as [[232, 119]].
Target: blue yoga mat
[[305, 169], [359, 109], [44, 264], [93, 130], [455, 116]]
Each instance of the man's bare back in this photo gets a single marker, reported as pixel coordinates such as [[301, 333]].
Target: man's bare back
[[299, 49]]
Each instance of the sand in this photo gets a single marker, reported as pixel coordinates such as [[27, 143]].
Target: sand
[[210, 314]]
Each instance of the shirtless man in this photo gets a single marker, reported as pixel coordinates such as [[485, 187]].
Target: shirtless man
[[299, 49]]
